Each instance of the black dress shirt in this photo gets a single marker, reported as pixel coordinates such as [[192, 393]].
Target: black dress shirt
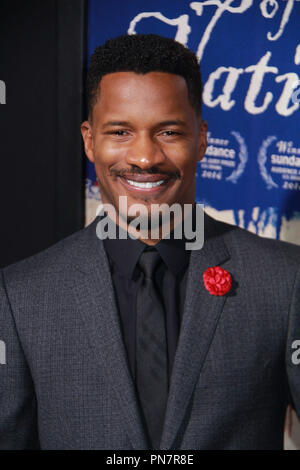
[[170, 279]]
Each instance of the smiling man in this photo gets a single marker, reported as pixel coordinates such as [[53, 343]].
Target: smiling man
[[136, 342], [145, 133], [144, 122]]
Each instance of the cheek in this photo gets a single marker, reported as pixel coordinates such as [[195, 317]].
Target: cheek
[[184, 157], [107, 153]]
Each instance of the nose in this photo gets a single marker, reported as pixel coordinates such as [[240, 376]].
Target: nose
[[144, 152]]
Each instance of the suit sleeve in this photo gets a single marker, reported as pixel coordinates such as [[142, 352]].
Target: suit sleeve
[[18, 417], [293, 347]]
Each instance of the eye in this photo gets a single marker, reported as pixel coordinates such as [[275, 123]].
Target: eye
[[118, 132], [171, 133]]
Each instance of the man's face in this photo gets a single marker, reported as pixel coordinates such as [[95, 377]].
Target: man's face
[[145, 139]]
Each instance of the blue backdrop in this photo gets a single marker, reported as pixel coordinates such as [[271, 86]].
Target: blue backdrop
[[249, 52]]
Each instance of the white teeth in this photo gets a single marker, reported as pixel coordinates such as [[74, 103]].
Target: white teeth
[[147, 185]]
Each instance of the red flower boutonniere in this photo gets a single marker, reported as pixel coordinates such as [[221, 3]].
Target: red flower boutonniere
[[217, 281]]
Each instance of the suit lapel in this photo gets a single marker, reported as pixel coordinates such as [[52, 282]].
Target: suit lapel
[[201, 314], [94, 294]]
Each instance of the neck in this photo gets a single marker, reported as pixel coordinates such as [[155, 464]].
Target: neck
[[151, 233]]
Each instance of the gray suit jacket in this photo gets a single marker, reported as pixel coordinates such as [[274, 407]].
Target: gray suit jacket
[[66, 382]]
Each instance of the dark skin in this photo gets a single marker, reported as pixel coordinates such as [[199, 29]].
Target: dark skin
[[144, 129]]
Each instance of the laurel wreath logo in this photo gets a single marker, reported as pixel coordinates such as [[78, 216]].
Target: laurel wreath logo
[[243, 156], [262, 159]]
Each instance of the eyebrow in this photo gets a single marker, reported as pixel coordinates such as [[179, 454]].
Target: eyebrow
[[116, 123], [174, 122]]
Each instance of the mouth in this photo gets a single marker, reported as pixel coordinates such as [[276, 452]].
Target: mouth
[[146, 183]]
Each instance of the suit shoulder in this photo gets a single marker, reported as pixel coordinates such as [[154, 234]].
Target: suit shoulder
[[244, 243], [53, 260]]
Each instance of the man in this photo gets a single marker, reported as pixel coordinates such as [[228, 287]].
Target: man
[[122, 343]]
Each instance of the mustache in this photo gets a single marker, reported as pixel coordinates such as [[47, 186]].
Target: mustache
[[139, 171]]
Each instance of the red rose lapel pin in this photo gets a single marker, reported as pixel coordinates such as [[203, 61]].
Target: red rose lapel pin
[[217, 280]]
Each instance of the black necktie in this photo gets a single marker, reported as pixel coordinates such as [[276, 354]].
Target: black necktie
[[151, 350]]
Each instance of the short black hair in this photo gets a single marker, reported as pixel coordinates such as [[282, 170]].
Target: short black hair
[[143, 53]]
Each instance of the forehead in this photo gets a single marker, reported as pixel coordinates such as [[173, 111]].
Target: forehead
[[131, 92]]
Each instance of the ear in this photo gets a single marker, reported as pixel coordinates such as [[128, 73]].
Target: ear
[[86, 132], [202, 139]]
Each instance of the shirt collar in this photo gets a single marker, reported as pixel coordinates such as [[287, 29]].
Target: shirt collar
[[125, 253]]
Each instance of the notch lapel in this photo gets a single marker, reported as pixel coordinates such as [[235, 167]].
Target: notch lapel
[[201, 315], [94, 293]]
